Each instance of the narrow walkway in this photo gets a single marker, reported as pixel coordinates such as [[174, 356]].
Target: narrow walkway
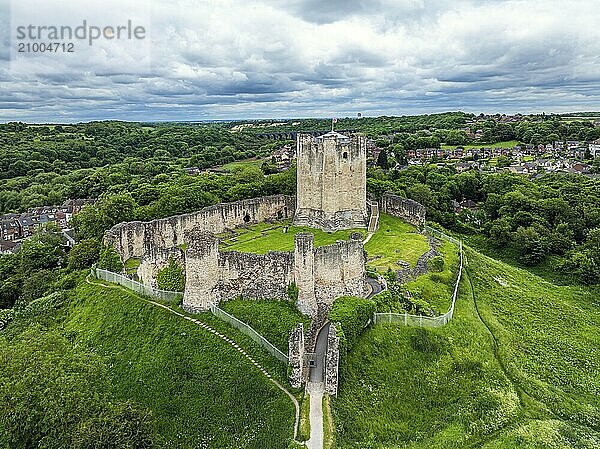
[[374, 219], [226, 339], [315, 391]]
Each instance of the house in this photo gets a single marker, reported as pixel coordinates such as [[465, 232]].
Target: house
[[28, 224], [594, 148], [10, 229], [9, 247], [283, 156], [463, 166], [78, 204]]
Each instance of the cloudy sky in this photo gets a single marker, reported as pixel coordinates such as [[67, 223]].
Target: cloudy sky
[[230, 59]]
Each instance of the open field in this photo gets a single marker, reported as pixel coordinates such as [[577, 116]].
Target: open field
[[517, 367], [395, 240], [273, 319], [232, 166], [277, 236], [201, 391], [505, 144]]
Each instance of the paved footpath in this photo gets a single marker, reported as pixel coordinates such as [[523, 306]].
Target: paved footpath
[[315, 390]]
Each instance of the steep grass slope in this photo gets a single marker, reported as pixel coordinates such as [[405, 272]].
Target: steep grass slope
[[516, 368], [200, 390]]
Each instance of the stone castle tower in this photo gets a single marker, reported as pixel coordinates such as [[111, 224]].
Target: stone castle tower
[[332, 181]]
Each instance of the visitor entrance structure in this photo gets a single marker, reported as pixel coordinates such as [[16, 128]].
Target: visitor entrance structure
[[331, 181]]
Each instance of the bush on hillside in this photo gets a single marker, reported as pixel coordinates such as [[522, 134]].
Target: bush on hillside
[[84, 254], [110, 260], [171, 277], [353, 315], [436, 264]]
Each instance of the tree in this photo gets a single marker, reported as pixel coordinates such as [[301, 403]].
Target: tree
[[110, 260], [382, 159], [42, 251], [532, 250], [84, 254]]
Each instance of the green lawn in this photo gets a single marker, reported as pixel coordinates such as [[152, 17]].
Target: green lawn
[[233, 166], [277, 236], [395, 240], [200, 391], [505, 144], [273, 319], [533, 382], [437, 287]]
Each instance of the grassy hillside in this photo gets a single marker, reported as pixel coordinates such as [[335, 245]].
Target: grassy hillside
[[274, 320], [200, 391], [532, 382]]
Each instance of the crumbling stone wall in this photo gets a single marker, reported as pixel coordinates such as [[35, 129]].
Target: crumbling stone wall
[[296, 356], [332, 360], [321, 274], [213, 276], [327, 272], [156, 260], [409, 210], [137, 238]]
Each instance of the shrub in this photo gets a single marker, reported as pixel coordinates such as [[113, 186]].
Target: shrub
[[436, 264], [110, 260], [6, 316], [84, 254], [292, 292], [36, 285], [171, 277], [353, 315]]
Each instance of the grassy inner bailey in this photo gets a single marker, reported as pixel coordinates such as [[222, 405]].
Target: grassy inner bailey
[[200, 390], [277, 236], [517, 367], [394, 240]]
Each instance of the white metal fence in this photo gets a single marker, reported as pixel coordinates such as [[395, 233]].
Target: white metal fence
[[164, 295], [426, 321], [137, 287], [246, 329]]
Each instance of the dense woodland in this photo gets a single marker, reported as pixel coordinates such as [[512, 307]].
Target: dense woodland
[[551, 224]]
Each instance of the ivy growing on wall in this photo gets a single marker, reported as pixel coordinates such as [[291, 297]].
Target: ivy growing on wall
[[171, 277], [292, 292]]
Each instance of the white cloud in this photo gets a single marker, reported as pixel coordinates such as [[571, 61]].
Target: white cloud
[[233, 58]]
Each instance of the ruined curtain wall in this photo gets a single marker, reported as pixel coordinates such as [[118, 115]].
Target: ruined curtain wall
[[213, 276], [339, 271], [136, 238], [409, 210]]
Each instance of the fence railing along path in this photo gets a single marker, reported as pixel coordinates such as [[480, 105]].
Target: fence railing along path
[[427, 321], [137, 287], [249, 331], [164, 295]]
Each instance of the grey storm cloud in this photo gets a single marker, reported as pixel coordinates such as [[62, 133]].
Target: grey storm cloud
[[270, 58]]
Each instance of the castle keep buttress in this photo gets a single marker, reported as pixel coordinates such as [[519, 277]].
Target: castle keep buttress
[[331, 181]]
